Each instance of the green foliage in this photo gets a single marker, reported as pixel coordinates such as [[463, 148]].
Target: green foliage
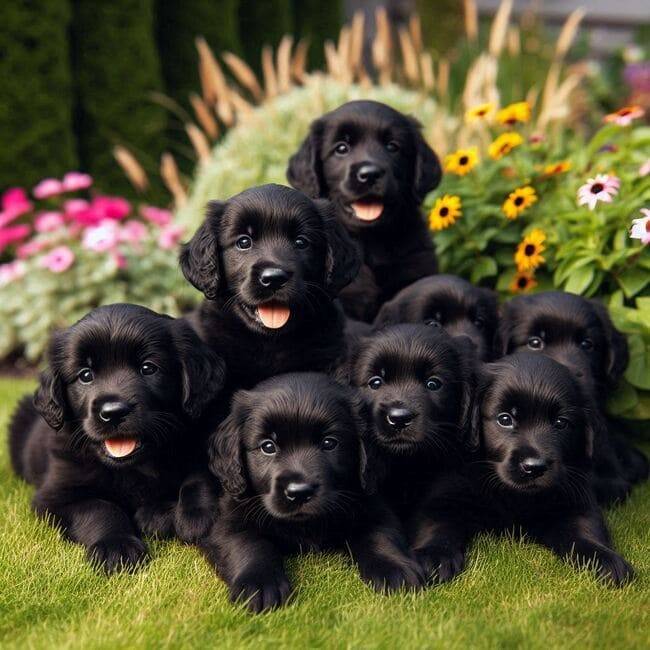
[[116, 70], [36, 107], [317, 21]]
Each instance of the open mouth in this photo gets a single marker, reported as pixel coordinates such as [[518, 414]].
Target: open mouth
[[121, 447], [367, 210], [273, 315]]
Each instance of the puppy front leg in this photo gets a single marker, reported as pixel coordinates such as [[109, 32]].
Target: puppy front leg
[[250, 564], [101, 526]]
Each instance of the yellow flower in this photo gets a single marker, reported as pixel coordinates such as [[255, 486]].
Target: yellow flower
[[557, 168], [529, 252], [462, 161], [513, 113], [445, 212], [504, 144], [479, 112], [522, 282], [518, 201]]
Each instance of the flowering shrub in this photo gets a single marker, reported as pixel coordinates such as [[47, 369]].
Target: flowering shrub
[[65, 250], [520, 211]]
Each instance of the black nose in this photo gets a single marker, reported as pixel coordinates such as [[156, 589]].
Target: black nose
[[114, 411], [533, 467], [299, 492], [400, 418], [369, 173], [273, 277]]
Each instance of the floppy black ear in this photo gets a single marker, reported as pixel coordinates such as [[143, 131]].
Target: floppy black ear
[[469, 367], [389, 314], [304, 171], [49, 399], [199, 258], [618, 354], [503, 334], [226, 460], [343, 260], [428, 171], [371, 465], [483, 380], [204, 371]]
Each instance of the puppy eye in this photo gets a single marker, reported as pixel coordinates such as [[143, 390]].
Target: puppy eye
[[301, 242], [432, 322], [375, 382], [329, 443], [268, 447], [505, 420], [561, 423], [244, 242], [342, 148], [587, 344], [148, 368], [433, 383], [535, 343], [85, 375], [392, 146]]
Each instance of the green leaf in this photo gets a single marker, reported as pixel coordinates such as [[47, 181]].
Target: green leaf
[[580, 280], [624, 398], [484, 267], [633, 281], [638, 370]]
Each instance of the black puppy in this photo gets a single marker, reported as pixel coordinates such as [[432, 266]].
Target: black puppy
[[534, 431], [119, 403], [270, 262], [450, 302], [578, 333], [373, 162], [298, 477]]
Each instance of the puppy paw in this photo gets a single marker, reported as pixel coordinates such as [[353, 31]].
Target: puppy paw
[[386, 576], [118, 553], [193, 526], [441, 564], [614, 570], [156, 520], [260, 593]]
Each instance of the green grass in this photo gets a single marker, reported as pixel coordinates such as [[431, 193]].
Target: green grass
[[512, 595]]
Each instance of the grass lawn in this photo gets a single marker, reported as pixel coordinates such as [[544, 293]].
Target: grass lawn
[[512, 595]]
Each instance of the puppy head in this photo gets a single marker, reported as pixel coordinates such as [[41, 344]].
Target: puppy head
[[573, 330], [418, 382], [532, 424], [295, 443], [370, 159], [449, 302], [271, 253], [124, 379]]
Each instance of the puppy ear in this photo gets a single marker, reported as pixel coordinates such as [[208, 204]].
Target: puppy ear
[[618, 354], [225, 451], [203, 370], [199, 258], [469, 361], [49, 399], [389, 314], [343, 260], [304, 170], [371, 465], [503, 333], [483, 379], [428, 171]]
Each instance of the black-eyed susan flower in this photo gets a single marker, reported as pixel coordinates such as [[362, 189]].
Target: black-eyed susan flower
[[479, 112], [462, 161], [522, 282], [557, 168], [529, 252], [624, 116], [513, 113], [444, 213], [504, 144], [518, 201]]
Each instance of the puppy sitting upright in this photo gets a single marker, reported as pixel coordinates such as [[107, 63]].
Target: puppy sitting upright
[[374, 164], [270, 262], [120, 401]]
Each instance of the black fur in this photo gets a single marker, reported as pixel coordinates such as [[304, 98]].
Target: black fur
[[397, 247]]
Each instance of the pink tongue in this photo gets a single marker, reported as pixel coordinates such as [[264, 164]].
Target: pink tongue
[[274, 315], [120, 447], [368, 211]]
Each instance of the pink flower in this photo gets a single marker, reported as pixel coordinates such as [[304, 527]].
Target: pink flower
[[74, 206], [12, 235], [59, 259], [537, 138], [14, 204], [601, 188], [641, 227], [156, 215], [48, 187], [625, 115], [31, 248], [111, 207], [170, 236], [74, 181], [11, 271], [118, 259], [48, 221], [644, 170], [133, 232], [102, 237]]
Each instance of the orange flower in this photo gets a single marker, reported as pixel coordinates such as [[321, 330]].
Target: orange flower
[[529, 252], [557, 168], [522, 282], [518, 201], [504, 144], [624, 116]]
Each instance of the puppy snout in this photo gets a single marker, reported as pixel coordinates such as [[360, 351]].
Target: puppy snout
[[533, 466], [300, 492], [114, 411], [367, 173], [273, 277], [399, 417]]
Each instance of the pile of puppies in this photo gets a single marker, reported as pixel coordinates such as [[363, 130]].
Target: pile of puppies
[[268, 422]]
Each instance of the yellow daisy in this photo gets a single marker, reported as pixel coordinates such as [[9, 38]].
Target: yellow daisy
[[445, 212], [504, 144], [462, 161], [479, 112], [513, 113], [557, 168], [522, 282], [518, 201], [529, 252]]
